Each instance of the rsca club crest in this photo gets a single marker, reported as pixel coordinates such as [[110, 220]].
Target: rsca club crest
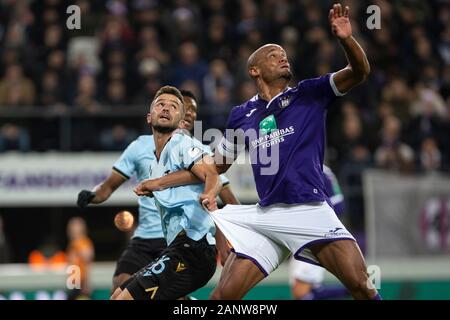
[[284, 101]]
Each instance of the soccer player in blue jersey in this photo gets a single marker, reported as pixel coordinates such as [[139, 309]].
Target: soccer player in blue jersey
[[148, 240], [306, 279], [189, 261], [283, 129]]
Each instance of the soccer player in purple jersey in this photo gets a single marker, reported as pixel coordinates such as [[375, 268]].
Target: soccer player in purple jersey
[[283, 129]]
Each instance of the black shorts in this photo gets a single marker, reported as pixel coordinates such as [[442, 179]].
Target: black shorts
[[185, 266], [139, 253]]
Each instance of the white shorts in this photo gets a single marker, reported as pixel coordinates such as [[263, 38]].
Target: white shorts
[[305, 272], [266, 235]]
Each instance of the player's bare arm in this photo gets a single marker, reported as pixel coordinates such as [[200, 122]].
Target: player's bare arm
[[102, 191], [174, 179], [358, 67], [222, 163], [205, 169]]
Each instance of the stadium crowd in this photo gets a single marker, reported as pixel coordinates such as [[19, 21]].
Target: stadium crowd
[[125, 50]]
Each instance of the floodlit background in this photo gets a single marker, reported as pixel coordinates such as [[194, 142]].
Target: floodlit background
[[72, 100]]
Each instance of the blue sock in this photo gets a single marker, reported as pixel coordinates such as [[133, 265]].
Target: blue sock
[[377, 297]]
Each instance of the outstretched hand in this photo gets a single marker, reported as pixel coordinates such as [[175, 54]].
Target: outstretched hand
[[340, 22]]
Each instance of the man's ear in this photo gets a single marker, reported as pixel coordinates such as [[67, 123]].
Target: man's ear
[[149, 118], [253, 72]]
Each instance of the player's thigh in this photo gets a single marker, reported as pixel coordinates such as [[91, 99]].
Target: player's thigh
[[247, 242], [119, 279], [344, 259], [179, 271], [138, 254], [238, 276]]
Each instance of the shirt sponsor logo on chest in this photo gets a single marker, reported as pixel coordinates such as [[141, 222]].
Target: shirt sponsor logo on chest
[[270, 134]]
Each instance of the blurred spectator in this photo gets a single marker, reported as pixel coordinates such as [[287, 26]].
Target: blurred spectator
[[217, 38], [86, 97], [189, 66], [397, 93], [116, 94], [246, 90], [80, 253], [430, 158], [15, 88], [393, 154], [429, 113], [219, 109], [217, 76], [354, 156], [117, 138], [14, 138], [47, 256], [354, 145], [52, 90], [5, 253], [146, 94], [82, 55]]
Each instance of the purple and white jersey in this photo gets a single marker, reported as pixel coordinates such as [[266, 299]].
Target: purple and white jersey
[[285, 138]]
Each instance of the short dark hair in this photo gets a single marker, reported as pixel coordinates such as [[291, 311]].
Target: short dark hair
[[170, 90], [187, 93]]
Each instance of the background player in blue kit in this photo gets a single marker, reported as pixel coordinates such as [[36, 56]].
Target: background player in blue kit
[[189, 261], [148, 240], [306, 279]]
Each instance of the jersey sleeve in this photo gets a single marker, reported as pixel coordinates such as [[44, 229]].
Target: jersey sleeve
[[233, 140], [321, 89], [191, 151], [126, 165], [224, 180]]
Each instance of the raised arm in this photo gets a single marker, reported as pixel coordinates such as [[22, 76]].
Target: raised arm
[[358, 67], [101, 192]]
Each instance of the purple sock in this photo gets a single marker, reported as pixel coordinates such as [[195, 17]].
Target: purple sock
[[329, 292], [377, 297]]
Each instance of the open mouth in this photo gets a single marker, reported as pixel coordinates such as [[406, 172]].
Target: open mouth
[[163, 116]]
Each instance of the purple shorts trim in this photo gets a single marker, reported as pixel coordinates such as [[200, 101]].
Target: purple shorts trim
[[242, 255], [304, 259]]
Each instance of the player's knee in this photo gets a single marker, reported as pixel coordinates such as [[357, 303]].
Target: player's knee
[[115, 294], [358, 286], [223, 293]]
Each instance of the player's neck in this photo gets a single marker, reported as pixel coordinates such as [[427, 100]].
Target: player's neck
[[267, 91], [161, 139]]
